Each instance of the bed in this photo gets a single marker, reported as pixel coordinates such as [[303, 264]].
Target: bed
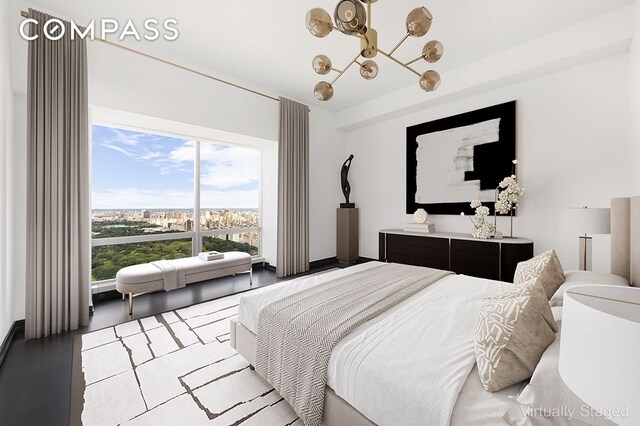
[[425, 344]]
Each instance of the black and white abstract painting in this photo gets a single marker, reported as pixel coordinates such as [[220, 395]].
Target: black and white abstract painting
[[457, 159]]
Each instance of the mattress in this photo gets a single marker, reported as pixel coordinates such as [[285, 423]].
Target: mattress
[[403, 355]]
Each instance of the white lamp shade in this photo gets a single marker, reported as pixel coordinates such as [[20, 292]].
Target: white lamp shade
[[600, 349], [586, 220]]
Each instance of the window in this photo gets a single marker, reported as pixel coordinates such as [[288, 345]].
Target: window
[[148, 191], [230, 197]]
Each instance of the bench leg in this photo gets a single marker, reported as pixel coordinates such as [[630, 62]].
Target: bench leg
[[251, 276], [130, 303]]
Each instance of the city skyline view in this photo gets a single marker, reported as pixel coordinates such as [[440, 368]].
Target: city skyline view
[[136, 170]]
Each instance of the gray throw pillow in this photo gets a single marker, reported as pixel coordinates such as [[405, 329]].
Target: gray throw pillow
[[546, 267], [513, 330]]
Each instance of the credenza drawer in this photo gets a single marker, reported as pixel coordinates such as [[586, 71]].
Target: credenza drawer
[[491, 259]]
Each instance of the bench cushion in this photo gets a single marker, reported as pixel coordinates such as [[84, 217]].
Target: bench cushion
[[148, 277], [195, 265], [139, 274]]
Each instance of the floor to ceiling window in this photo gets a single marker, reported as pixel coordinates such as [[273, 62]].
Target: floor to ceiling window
[[158, 197]]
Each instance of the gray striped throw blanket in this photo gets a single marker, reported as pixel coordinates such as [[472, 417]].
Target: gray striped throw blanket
[[296, 334]]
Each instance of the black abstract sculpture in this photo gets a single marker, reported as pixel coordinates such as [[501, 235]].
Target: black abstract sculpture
[[346, 187]]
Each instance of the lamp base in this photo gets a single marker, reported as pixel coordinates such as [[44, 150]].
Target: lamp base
[[584, 252]]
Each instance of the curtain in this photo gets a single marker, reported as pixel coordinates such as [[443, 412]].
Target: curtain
[[58, 206], [293, 189]]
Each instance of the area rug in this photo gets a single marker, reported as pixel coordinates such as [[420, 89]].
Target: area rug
[[175, 368]]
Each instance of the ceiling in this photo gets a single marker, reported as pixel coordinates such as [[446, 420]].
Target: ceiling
[[266, 44]]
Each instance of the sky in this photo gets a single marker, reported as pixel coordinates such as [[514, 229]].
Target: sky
[[133, 170]]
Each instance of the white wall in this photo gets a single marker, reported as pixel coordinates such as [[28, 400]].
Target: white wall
[[573, 147], [635, 94], [17, 207], [6, 99], [326, 155]]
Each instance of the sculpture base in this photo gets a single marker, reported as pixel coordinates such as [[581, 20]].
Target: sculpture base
[[347, 236], [347, 205]]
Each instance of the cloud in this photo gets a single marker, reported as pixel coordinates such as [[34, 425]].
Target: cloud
[[128, 137], [223, 167], [185, 153], [120, 149], [135, 198]]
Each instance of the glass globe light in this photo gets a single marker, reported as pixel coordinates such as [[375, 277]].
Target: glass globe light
[[369, 70], [350, 17], [319, 22], [419, 21], [430, 81], [432, 51], [323, 91], [322, 64]]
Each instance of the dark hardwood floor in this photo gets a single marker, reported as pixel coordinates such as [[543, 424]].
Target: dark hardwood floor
[[35, 378]]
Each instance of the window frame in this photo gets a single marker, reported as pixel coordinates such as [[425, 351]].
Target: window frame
[[197, 234]]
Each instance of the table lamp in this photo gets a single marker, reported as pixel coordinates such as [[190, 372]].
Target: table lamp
[[585, 221], [600, 350]]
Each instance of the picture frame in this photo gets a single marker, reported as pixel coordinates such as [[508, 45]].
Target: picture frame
[[453, 160]]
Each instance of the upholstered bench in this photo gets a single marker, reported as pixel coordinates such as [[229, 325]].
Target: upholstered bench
[[172, 274]]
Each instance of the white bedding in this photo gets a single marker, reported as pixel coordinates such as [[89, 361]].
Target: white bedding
[[411, 364], [252, 304]]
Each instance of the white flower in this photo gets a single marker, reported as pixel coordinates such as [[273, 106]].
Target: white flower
[[475, 204], [482, 212], [485, 231], [515, 161], [461, 213]]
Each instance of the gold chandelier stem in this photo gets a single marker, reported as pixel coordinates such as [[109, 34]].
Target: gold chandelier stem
[[406, 36], [345, 70], [399, 63], [369, 13], [415, 60]]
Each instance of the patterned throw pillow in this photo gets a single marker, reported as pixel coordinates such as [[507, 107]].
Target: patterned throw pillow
[[513, 330], [546, 267]]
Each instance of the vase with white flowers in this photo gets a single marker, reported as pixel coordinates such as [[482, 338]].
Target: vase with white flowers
[[482, 229], [508, 195]]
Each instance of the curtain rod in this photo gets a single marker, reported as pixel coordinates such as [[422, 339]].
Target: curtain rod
[[25, 14]]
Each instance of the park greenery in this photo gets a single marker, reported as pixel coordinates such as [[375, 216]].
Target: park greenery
[[106, 261], [124, 228]]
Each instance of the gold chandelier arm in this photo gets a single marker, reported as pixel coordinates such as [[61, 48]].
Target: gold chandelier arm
[[399, 63], [406, 36], [345, 70], [369, 13], [415, 60]]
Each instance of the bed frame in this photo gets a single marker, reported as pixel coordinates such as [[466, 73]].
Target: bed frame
[[625, 262]]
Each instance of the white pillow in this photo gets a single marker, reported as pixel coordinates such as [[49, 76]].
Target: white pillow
[[546, 400], [574, 278]]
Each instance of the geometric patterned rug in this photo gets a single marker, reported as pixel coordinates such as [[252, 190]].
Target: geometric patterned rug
[[175, 368]]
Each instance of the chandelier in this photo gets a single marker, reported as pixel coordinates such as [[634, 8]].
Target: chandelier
[[351, 19]]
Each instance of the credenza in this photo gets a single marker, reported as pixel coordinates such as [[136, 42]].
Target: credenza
[[461, 253]]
